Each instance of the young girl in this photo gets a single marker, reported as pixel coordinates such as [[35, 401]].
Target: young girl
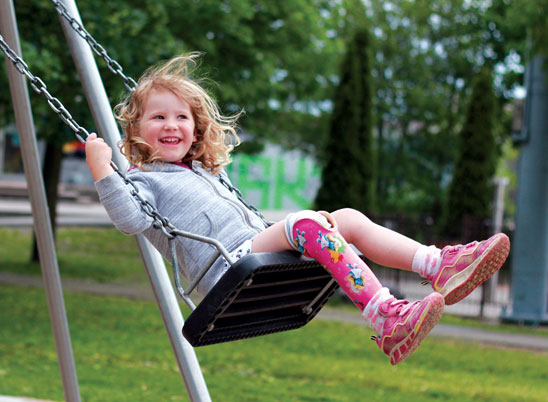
[[178, 143]]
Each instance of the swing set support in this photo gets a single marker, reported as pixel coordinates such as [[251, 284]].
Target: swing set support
[[106, 125], [37, 195]]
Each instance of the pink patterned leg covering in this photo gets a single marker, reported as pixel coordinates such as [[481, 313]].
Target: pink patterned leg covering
[[314, 236]]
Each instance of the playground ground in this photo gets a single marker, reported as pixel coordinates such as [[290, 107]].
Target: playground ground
[[16, 213]]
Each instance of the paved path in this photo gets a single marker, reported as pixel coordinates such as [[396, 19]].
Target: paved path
[[18, 213], [531, 342]]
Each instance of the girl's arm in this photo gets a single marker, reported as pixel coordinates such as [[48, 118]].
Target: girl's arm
[[124, 211], [98, 157]]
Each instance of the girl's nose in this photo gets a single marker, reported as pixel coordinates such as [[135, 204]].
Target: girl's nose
[[170, 125]]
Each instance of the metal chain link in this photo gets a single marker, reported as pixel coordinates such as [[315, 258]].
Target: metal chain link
[[240, 197], [39, 87], [112, 64], [159, 221]]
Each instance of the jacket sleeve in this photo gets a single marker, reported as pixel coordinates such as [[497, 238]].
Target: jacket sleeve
[[124, 210]]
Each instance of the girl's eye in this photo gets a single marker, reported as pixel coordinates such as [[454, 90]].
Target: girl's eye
[[159, 117], [181, 117]]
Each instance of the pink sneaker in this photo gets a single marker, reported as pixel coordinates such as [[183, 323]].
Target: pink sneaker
[[407, 324], [464, 268]]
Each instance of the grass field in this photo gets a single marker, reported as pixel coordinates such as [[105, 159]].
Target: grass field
[[122, 352]]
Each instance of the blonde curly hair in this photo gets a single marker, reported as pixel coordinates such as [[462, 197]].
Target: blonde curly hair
[[215, 133]]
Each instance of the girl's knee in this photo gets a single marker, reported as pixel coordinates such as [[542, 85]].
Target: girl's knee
[[349, 214], [323, 218]]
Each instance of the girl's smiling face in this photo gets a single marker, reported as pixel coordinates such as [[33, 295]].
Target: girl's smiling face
[[167, 125]]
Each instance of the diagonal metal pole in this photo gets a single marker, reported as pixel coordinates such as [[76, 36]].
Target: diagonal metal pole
[[160, 281], [37, 195]]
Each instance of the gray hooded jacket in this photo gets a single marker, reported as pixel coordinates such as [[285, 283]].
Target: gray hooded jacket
[[194, 201]]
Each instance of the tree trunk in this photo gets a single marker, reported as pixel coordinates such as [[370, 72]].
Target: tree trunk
[[51, 171], [381, 180]]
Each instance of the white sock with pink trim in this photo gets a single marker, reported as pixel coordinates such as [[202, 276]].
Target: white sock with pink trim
[[371, 312], [427, 261]]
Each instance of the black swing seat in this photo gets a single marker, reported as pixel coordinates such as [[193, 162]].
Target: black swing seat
[[260, 294]]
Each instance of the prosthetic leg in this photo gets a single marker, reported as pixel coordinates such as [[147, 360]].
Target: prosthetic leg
[[400, 325]]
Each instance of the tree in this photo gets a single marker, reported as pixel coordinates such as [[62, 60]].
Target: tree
[[274, 59], [349, 167], [425, 56], [470, 193]]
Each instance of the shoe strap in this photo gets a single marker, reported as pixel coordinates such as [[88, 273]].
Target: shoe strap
[[393, 307]]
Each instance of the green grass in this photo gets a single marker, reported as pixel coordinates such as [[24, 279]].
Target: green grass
[[122, 354], [103, 255]]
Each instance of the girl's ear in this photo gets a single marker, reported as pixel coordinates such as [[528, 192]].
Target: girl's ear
[[197, 133]]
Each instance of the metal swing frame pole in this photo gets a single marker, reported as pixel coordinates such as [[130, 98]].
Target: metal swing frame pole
[[37, 196], [157, 273]]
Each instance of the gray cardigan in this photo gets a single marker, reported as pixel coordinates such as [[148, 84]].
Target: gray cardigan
[[194, 201]]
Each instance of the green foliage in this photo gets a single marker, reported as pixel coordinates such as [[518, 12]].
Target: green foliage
[[426, 55], [349, 171], [275, 59], [523, 25], [279, 61], [471, 192]]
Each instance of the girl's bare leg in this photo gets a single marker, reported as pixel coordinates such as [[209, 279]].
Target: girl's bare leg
[[272, 239], [379, 244]]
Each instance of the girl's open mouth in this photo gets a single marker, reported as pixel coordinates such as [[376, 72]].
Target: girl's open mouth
[[170, 140]]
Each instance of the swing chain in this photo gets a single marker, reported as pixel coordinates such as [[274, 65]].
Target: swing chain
[[55, 104], [240, 197], [159, 221], [40, 87], [112, 64], [131, 85]]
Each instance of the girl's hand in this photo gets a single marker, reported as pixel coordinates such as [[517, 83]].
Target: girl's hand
[[98, 157]]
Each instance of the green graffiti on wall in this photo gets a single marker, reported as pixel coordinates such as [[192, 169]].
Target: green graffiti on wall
[[276, 183]]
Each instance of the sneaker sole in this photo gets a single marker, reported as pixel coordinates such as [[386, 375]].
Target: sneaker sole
[[430, 316], [464, 283]]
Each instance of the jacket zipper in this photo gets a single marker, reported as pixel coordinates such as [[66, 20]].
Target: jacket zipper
[[232, 202]]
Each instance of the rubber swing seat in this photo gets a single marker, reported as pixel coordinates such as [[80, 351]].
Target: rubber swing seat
[[260, 294]]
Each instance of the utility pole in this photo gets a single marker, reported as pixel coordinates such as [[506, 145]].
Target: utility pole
[[530, 241]]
